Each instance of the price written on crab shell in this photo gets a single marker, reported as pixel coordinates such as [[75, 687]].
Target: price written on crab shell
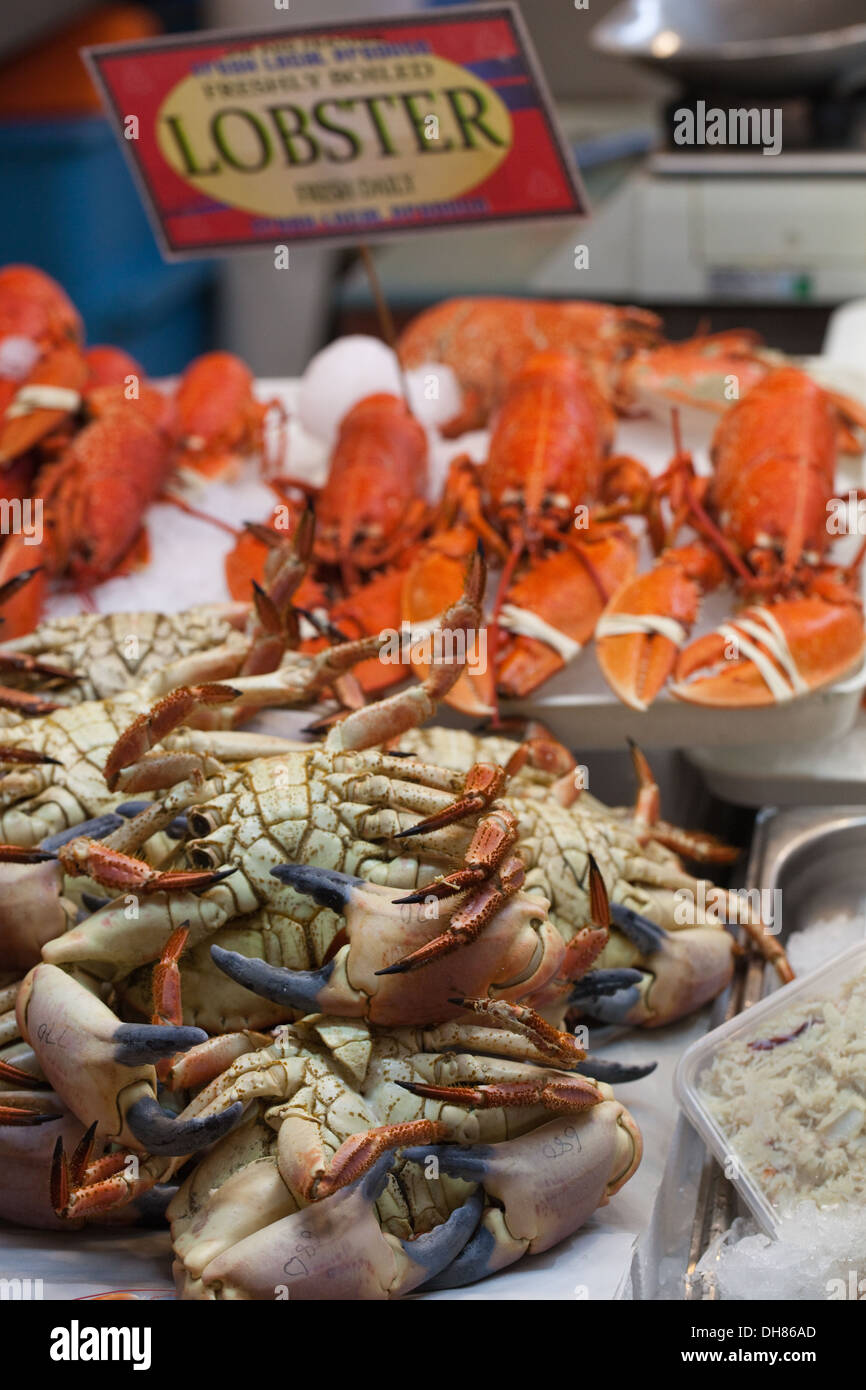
[[338, 132]]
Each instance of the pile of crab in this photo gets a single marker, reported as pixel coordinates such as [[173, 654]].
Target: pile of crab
[[328, 987]]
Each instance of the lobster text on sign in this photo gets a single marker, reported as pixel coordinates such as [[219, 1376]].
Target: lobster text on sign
[[22, 517], [737, 126], [356, 128]]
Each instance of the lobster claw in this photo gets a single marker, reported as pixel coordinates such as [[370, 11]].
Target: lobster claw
[[49, 396], [770, 654], [552, 610], [646, 622]]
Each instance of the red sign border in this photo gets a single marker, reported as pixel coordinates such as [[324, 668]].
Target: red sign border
[[508, 10]]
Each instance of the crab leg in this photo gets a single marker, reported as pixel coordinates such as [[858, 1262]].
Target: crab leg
[[389, 718], [469, 921], [357, 1155], [560, 1095], [494, 836], [150, 728], [647, 814], [123, 874]]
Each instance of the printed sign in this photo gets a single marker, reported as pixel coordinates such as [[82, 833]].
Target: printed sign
[[340, 132]]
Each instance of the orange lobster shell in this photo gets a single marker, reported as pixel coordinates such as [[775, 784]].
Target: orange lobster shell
[[218, 419], [487, 341], [774, 456], [376, 486]]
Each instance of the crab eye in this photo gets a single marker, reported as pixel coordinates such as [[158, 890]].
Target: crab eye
[[204, 857]]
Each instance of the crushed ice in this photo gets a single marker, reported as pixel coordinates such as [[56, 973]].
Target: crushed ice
[[820, 1254]]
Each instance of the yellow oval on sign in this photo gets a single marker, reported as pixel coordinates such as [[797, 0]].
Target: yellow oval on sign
[[317, 128]]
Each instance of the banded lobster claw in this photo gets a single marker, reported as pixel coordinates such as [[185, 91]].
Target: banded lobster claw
[[553, 608], [772, 653], [649, 618], [104, 1069]]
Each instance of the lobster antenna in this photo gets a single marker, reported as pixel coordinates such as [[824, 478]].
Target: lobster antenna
[[386, 318]]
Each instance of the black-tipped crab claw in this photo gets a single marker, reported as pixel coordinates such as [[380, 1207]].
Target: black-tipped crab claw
[[105, 1070], [337, 1248], [669, 975], [516, 954]]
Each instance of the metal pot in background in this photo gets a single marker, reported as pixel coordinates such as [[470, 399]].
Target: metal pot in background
[[774, 47]]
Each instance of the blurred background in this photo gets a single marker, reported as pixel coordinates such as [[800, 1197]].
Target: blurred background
[[703, 235]]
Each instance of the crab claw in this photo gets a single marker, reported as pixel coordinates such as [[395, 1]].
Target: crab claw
[[539, 1199], [103, 1069], [124, 874], [614, 1073], [295, 989], [96, 829], [32, 911], [770, 654], [327, 887], [505, 937], [25, 1161], [336, 1247], [649, 619], [678, 973]]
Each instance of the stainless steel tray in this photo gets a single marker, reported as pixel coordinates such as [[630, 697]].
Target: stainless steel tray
[[817, 858]]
